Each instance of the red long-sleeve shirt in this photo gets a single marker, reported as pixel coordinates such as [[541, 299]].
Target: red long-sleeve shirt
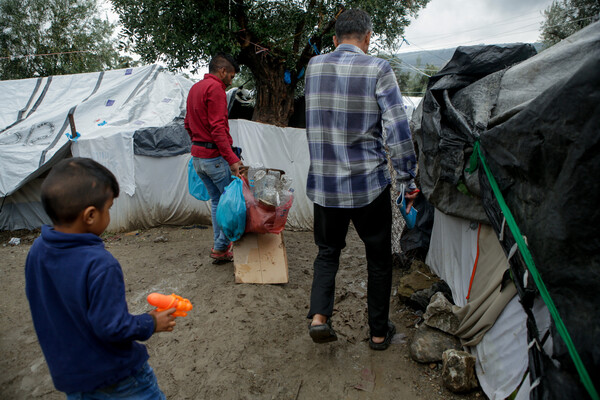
[[206, 119]]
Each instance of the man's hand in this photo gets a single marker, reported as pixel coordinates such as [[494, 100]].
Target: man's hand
[[410, 199], [235, 168]]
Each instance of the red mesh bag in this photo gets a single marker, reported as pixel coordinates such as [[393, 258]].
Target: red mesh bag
[[262, 217]]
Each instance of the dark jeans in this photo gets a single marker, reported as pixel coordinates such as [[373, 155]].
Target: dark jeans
[[373, 224], [140, 386]]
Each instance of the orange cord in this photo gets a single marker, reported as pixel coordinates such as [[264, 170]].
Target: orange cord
[[475, 265]]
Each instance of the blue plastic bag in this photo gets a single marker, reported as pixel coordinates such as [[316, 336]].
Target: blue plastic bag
[[231, 211], [195, 184], [411, 217]]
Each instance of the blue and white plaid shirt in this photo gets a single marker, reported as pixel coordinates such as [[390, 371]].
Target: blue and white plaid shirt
[[350, 99]]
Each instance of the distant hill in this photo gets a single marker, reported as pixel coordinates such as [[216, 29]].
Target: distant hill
[[439, 58]]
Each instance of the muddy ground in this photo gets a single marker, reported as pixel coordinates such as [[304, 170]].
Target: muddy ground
[[241, 341]]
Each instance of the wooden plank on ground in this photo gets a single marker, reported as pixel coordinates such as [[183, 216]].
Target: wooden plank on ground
[[260, 258]]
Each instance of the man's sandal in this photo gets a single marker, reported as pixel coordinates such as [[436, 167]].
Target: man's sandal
[[322, 333], [223, 256], [387, 341]]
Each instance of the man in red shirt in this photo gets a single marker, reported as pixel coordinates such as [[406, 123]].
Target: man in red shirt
[[207, 124]]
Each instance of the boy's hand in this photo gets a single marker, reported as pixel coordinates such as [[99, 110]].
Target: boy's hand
[[164, 320]]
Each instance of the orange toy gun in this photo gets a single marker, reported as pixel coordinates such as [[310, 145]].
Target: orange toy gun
[[164, 302]]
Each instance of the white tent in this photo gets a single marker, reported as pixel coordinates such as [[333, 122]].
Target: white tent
[[410, 105], [112, 110]]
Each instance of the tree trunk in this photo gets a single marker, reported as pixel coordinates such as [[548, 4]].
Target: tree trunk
[[274, 98]]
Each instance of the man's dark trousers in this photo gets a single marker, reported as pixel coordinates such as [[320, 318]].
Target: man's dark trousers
[[373, 224]]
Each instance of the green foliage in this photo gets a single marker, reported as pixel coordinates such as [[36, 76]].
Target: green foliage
[[563, 18], [184, 33], [269, 37], [244, 79], [418, 84], [410, 80], [40, 27]]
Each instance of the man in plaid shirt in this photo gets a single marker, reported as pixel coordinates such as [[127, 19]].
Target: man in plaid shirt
[[353, 110]]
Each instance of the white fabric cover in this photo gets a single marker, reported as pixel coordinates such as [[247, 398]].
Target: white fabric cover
[[161, 196], [279, 148], [161, 99], [502, 358], [410, 105], [110, 107], [161, 193]]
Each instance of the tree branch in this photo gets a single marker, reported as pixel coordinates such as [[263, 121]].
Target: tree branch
[[300, 26], [317, 40]]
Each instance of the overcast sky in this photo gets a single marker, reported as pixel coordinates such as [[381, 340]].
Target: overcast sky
[[450, 23]]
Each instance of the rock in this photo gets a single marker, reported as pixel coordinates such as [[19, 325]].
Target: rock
[[442, 287], [405, 259], [428, 344], [458, 371], [439, 314], [419, 300], [418, 278], [161, 239]]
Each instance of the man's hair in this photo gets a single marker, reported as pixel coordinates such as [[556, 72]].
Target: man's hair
[[75, 184], [353, 23], [222, 60]]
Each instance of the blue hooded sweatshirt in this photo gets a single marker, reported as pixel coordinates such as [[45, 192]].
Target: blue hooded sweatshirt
[[76, 295]]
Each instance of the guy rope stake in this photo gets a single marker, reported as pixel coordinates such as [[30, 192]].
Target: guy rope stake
[[74, 134]]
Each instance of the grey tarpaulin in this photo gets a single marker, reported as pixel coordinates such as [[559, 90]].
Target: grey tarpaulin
[[163, 141], [546, 159], [456, 108], [538, 122]]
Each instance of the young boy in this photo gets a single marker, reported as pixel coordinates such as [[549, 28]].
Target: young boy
[[76, 292]]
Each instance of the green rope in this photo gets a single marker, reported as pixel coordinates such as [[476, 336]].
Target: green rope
[[560, 326]]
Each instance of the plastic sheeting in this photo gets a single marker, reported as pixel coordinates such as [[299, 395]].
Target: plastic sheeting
[[108, 107], [162, 196], [537, 123], [154, 100], [162, 141], [545, 159], [24, 210], [410, 105], [161, 193], [455, 109], [279, 148]]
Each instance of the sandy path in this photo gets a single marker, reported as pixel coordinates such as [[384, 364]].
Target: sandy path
[[240, 341]]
